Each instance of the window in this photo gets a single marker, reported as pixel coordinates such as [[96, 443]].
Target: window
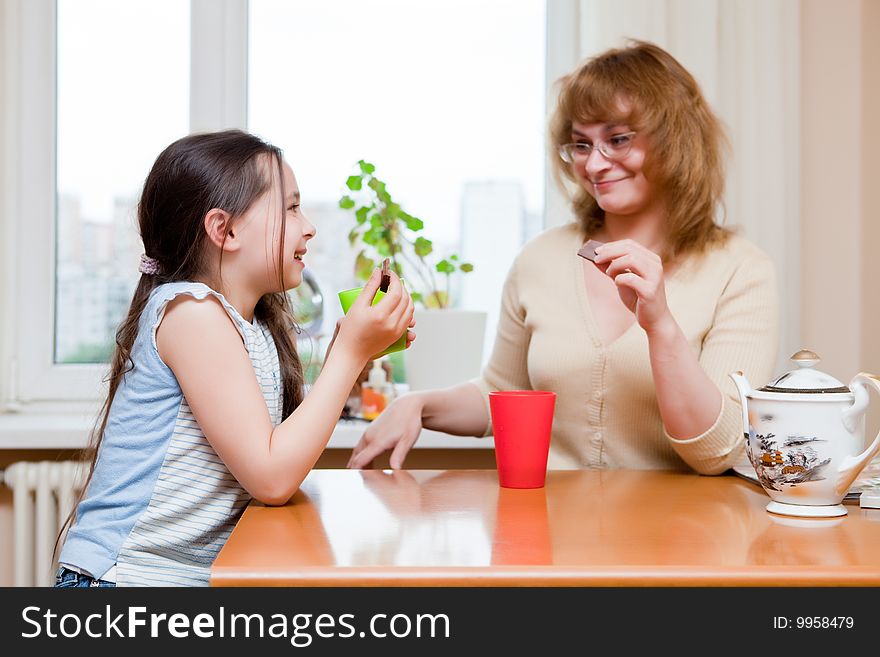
[[447, 99], [120, 100]]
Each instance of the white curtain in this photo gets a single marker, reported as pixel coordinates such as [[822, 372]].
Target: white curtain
[[746, 56]]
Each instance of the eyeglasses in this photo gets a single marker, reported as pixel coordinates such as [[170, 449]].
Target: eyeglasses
[[615, 147]]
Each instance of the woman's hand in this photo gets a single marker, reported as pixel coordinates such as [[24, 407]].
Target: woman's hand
[[397, 428], [368, 329], [638, 274]]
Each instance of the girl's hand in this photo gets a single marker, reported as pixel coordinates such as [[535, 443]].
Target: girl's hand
[[410, 336], [368, 329], [638, 274]]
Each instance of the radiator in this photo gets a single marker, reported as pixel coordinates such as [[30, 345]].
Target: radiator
[[43, 493]]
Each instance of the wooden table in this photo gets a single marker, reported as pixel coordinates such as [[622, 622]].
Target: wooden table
[[585, 528]]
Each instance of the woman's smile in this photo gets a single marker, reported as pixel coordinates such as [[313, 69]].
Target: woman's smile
[[605, 185]]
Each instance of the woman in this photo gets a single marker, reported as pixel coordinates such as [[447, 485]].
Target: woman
[[636, 338]]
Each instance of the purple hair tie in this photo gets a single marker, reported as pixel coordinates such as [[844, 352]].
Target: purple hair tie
[[148, 266]]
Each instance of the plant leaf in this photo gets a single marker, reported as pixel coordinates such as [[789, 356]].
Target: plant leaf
[[366, 167], [353, 236], [363, 266], [361, 214], [423, 247], [445, 267], [413, 223], [354, 183], [384, 248], [466, 267], [371, 237], [379, 232], [346, 203], [379, 188]]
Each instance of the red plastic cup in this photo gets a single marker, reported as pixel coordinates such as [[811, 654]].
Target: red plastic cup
[[521, 423]]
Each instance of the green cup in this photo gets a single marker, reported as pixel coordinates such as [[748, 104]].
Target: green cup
[[347, 297]]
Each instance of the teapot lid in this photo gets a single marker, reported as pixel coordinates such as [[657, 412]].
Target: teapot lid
[[805, 379]]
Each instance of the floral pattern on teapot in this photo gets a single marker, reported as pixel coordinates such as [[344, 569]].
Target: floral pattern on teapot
[[794, 462]]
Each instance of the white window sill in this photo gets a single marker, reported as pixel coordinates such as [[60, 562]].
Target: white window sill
[[71, 431]]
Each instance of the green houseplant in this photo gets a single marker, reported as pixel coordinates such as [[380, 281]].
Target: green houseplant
[[385, 230], [382, 230]]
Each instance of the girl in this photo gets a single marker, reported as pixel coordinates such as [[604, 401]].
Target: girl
[[205, 408], [636, 338]]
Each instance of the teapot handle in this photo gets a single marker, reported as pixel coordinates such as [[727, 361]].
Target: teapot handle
[[853, 465]]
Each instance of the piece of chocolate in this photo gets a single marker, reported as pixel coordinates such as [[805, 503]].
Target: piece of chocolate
[[588, 250], [386, 279]]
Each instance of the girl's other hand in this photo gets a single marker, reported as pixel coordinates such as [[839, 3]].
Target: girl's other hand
[[367, 329]]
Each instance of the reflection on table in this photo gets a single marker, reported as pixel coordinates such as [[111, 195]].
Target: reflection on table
[[585, 528]]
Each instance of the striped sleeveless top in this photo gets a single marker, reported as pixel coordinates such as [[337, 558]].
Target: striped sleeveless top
[[161, 503]]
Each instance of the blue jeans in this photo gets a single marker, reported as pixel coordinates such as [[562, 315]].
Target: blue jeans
[[70, 579]]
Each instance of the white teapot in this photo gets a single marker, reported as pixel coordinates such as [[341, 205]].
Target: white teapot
[[805, 436]]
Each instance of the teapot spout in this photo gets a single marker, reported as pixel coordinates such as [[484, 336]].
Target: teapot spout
[[744, 388]]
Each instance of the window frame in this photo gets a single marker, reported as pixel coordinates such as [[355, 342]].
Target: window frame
[[218, 100]]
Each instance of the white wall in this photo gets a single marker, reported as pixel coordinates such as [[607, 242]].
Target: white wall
[[840, 139]]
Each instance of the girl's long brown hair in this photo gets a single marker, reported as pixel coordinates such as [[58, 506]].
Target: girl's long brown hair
[[224, 170], [686, 141]]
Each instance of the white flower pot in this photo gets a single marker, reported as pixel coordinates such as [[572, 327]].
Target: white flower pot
[[448, 349]]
